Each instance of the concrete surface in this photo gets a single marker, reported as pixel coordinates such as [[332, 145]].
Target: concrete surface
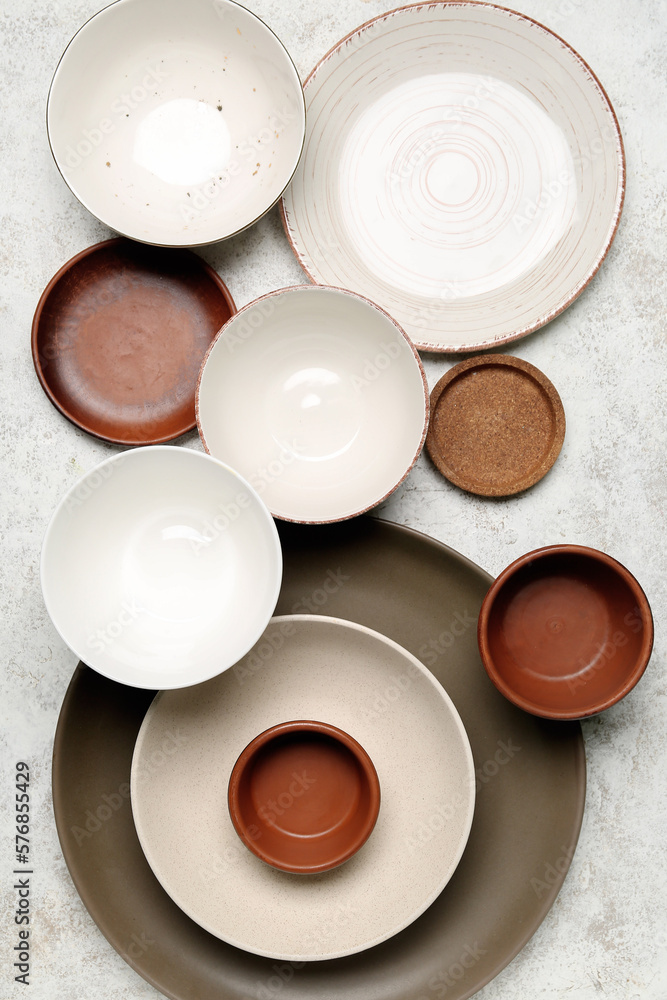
[[606, 936]]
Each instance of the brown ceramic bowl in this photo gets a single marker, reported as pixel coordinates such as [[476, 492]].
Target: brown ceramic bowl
[[304, 797], [565, 632]]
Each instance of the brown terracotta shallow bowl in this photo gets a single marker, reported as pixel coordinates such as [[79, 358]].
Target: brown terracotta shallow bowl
[[565, 632], [304, 797], [119, 335]]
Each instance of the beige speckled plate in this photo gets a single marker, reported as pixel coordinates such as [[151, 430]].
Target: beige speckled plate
[[463, 168], [531, 779], [307, 667]]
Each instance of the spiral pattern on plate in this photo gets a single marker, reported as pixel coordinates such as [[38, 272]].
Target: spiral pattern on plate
[[463, 168]]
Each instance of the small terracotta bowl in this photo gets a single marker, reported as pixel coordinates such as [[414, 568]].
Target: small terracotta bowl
[[565, 632], [304, 797]]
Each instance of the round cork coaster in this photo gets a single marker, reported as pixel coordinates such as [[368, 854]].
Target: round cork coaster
[[497, 425]]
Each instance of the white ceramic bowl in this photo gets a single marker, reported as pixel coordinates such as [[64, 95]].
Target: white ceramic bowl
[[176, 123], [463, 168], [161, 567], [318, 398]]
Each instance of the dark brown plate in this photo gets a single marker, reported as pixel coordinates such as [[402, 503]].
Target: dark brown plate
[[497, 425], [531, 777], [119, 335]]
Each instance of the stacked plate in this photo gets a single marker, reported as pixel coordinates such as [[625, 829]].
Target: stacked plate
[[321, 668], [529, 782]]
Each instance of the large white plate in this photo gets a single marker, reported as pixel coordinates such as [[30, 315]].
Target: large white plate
[[306, 667], [463, 168]]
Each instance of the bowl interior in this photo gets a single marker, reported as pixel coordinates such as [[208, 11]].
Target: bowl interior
[[161, 568], [319, 400], [304, 797], [173, 124], [567, 634]]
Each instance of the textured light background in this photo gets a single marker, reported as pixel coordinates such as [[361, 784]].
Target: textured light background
[[606, 936]]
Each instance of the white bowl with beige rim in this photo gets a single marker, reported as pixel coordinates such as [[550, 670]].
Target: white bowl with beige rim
[[318, 398], [176, 124]]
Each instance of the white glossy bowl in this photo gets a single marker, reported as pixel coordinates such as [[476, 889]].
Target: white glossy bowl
[[318, 398], [161, 567], [176, 123]]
